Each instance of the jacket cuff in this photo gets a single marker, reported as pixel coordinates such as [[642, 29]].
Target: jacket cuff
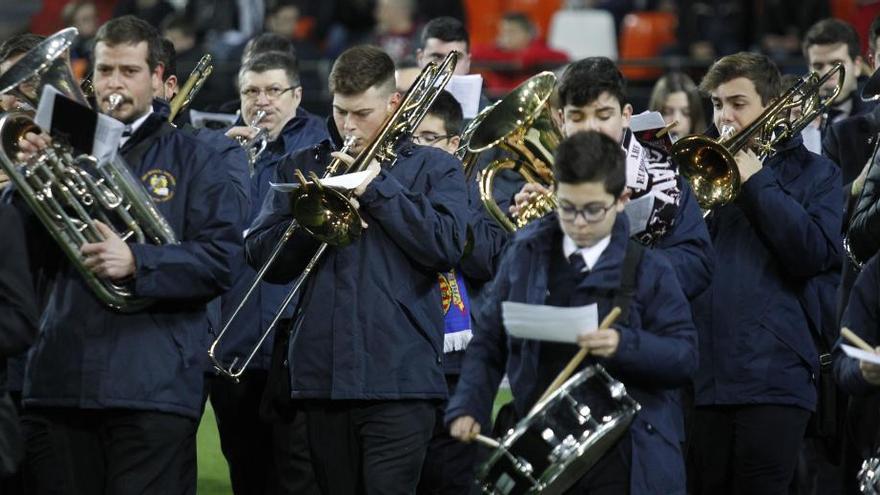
[[626, 345], [383, 186], [758, 181], [146, 260]]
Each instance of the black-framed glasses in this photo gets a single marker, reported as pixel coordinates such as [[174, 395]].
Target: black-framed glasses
[[427, 138], [272, 92], [592, 213]]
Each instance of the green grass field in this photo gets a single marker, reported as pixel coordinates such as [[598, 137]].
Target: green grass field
[[213, 471]]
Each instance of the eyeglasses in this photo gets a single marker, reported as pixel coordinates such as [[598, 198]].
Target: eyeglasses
[[592, 213], [272, 92], [426, 138]]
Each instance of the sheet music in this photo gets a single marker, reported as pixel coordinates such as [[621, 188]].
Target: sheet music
[[855, 352], [345, 181], [201, 119], [466, 90], [550, 323], [638, 211], [108, 131], [647, 120]]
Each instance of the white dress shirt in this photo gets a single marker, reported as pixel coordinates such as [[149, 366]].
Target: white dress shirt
[[591, 254]]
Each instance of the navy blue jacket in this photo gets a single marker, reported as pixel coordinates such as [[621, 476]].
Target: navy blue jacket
[[656, 355], [687, 245], [91, 357], [302, 131], [778, 245], [369, 324]]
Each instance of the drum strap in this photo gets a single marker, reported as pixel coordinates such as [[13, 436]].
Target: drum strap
[[631, 261]]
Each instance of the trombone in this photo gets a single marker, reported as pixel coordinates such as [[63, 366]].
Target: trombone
[[193, 84], [709, 164], [328, 214]]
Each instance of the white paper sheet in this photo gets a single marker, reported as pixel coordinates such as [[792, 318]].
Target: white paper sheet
[[108, 132], [200, 119], [855, 352], [550, 323], [647, 120], [638, 211], [345, 181], [466, 89]]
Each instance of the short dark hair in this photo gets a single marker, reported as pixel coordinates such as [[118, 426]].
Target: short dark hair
[[583, 81], [830, 31], [873, 33], [590, 156], [755, 67], [129, 29], [168, 59], [262, 62], [446, 29], [19, 45], [520, 19], [268, 42], [180, 22], [447, 109], [360, 68]]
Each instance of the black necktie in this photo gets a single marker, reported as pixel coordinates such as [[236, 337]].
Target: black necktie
[[576, 260], [126, 132]]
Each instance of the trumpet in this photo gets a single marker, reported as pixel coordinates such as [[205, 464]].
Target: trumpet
[[328, 214], [257, 144], [709, 165]]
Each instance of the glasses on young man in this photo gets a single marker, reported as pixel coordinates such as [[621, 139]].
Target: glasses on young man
[[272, 92], [429, 138], [592, 213]]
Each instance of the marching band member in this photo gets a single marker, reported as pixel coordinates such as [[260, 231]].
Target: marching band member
[[113, 399], [366, 352], [449, 464], [264, 456], [758, 364], [573, 257], [592, 96]]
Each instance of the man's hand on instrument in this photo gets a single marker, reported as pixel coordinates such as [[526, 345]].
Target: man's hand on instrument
[[32, 143], [241, 131], [870, 371], [110, 258], [748, 164], [602, 343], [373, 170], [464, 428], [525, 195]]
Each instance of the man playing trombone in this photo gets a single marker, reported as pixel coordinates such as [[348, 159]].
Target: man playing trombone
[[366, 351], [756, 383]]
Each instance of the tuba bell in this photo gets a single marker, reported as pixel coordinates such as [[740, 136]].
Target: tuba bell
[[67, 191], [709, 164], [520, 124]]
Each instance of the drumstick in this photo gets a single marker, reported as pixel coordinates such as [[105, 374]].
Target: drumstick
[[856, 340], [579, 357], [487, 441]]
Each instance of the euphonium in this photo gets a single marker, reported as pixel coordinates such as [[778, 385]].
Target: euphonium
[[709, 165], [328, 214], [69, 192], [191, 87], [520, 124]]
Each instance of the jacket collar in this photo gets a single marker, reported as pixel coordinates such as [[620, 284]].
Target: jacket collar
[[540, 238]]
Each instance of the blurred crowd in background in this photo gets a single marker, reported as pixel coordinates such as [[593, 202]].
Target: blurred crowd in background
[[511, 39]]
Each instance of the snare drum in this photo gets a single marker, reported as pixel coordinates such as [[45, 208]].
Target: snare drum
[[564, 435]]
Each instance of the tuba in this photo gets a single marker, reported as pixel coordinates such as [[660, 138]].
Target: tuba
[[69, 192], [709, 165], [327, 213], [522, 125]]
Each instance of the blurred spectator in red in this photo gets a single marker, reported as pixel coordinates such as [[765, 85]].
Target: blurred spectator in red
[[517, 54], [153, 11], [396, 28], [48, 18], [284, 20]]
